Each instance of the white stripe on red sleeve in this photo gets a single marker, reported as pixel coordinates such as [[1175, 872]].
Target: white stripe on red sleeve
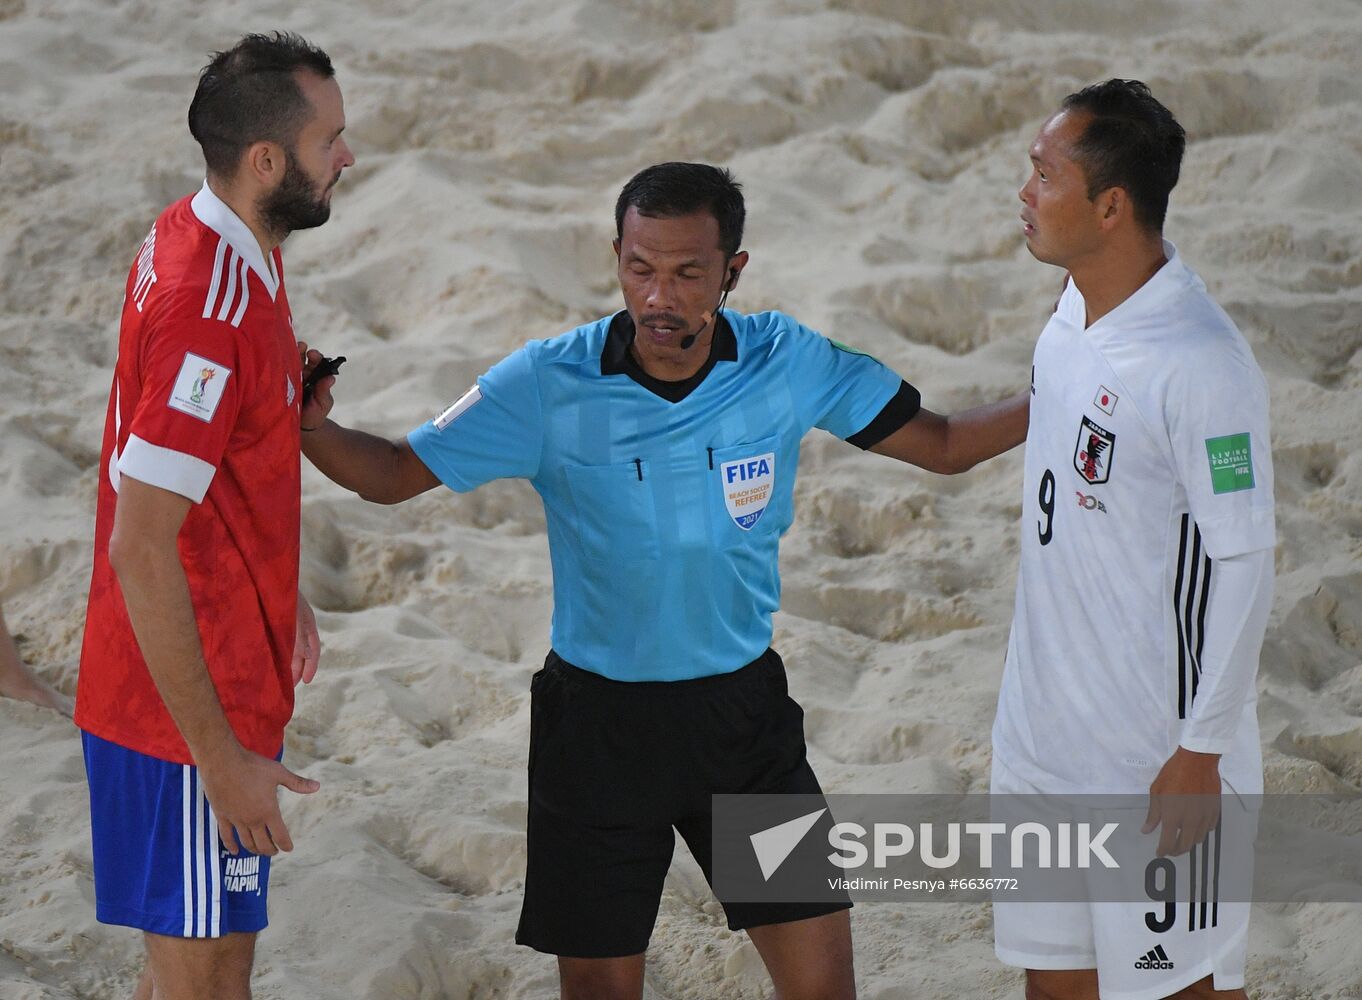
[[170, 470], [212, 298]]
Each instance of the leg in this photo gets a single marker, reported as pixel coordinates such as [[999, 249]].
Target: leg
[[1204, 990], [598, 835], [1053, 941], [806, 946], [159, 867], [601, 978], [1061, 984], [809, 959], [191, 968]]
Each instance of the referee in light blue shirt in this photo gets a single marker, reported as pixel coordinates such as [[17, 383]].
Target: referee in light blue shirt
[[664, 442]]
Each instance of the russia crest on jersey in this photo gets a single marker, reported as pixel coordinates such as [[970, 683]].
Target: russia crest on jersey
[[748, 484]]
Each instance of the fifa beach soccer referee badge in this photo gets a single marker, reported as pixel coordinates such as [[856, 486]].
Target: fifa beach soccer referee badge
[[748, 484]]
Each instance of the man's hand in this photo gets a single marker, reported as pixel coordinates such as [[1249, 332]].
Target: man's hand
[[319, 403], [307, 647], [1185, 799], [241, 789]]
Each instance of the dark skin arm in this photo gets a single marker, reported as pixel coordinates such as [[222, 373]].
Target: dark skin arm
[[955, 443], [379, 470], [388, 472], [961, 441]]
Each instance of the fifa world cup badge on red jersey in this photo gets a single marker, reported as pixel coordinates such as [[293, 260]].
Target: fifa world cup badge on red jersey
[[198, 387], [1094, 451]]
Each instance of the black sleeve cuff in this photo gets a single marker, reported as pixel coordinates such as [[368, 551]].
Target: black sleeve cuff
[[897, 412]]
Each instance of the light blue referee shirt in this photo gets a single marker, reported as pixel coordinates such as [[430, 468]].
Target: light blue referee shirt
[[664, 516]]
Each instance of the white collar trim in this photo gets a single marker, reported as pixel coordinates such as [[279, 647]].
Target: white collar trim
[[1162, 284], [218, 216]]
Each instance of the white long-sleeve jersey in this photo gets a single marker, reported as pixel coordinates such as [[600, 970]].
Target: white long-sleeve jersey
[[1146, 548]]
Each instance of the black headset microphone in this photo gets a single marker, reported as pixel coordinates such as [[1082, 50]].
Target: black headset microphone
[[688, 341]]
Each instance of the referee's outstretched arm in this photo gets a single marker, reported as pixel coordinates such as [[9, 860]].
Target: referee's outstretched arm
[[379, 470], [958, 442]]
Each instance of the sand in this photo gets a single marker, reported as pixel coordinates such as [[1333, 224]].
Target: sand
[[882, 143]]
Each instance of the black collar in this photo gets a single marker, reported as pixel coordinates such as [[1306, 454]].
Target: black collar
[[617, 359]]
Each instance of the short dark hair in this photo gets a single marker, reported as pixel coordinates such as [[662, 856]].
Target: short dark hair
[[250, 93], [666, 190], [1132, 142]]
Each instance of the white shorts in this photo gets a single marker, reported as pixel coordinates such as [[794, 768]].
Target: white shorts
[[1143, 950]]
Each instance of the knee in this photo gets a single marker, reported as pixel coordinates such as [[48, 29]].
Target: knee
[[586, 988], [230, 985], [226, 989], [836, 988], [1042, 987], [1205, 990], [194, 968], [599, 981]]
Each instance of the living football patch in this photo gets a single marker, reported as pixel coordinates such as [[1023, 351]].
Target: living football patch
[[1231, 461]]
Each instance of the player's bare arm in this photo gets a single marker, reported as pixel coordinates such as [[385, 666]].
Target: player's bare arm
[[379, 470], [240, 785], [960, 441]]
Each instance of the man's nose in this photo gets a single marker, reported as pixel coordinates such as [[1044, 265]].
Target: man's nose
[[661, 292]]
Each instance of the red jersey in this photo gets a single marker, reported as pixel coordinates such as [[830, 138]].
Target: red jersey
[[205, 402]]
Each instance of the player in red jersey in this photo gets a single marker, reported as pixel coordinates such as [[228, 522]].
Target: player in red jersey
[[196, 632]]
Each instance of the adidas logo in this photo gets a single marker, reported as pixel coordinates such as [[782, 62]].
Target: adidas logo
[[1156, 959]]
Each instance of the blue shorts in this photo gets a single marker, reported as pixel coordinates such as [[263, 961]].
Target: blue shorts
[[159, 863]]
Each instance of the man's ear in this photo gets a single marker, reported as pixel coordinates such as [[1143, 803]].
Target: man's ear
[[735, 265], [265, 162], [1112, 205]]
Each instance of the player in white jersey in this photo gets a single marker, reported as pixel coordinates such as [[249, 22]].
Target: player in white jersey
[[1146, 557]]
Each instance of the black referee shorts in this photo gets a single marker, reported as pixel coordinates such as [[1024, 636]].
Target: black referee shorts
[[615, 766]]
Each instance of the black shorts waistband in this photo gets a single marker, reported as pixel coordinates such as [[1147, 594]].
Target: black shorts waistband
[[769, 660]]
